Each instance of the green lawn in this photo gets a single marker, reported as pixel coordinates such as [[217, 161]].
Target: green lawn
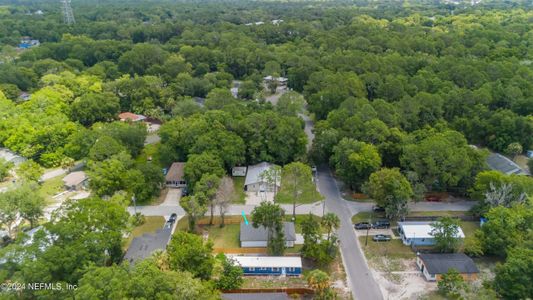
[[225, 237], [469, 227], [310, 195], [151, 224], [153, 151], [393, 249], [240, 196], [445, 213], [51, 187], [299, 219]]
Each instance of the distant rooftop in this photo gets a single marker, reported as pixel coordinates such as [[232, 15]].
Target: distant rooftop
[[503, 164], [176, 172], [130, 116]]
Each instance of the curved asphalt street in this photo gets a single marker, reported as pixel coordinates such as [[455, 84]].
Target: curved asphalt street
[[362, 283]]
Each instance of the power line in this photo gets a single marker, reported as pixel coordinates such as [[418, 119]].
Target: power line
[[68, 15]]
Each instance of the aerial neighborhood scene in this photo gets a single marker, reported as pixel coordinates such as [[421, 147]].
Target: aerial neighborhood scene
[[266, 150]]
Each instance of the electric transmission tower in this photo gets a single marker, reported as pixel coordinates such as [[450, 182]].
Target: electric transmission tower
[[68, 15]]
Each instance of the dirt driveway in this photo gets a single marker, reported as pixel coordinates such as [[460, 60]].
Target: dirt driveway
[[255, 198]]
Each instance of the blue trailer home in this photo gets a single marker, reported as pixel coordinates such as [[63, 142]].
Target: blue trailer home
[[419, 233], [269, 265]]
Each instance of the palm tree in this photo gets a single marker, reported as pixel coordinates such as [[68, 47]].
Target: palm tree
[[319, 282], [161, 260], [331, 221]]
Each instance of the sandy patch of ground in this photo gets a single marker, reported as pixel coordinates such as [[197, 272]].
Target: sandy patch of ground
[[400, 279], [255, 198], [172, 197], [373, 232]]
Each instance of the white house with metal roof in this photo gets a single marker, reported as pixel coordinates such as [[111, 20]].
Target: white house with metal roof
[[269, 265], [256, 178], [419, 233]]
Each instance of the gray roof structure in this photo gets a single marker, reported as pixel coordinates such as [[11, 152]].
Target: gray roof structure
[[440, 263], [503, 164], [75, 178], [253, 175], [256, 296], [176, 172], [249, 233], [143, 246]]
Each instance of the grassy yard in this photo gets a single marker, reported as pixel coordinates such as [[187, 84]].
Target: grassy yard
[[151, 224], [393, 249], [298, 222], [51, 187], [469, 228], [225, 237], [445, 213], [153, 151], [240, 196]]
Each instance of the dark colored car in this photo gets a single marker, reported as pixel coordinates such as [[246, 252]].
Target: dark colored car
[[378, 208], [381, 224], [172, 218], [381, 238], [363, 225]]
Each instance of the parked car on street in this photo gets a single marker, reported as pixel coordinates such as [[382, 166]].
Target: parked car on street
[[381, 238], [172, 218], [381, 224], [362, 225]]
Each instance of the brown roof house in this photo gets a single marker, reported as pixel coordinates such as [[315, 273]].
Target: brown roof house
[[433, 265], [175, 176], [75, 181], [128, 116]]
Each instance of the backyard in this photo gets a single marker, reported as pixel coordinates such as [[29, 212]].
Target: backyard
[[238, 185]]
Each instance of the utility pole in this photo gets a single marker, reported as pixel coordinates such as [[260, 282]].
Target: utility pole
[[68, 15]]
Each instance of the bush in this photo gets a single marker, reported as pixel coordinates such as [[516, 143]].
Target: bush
[[137, 219], [473, 246]]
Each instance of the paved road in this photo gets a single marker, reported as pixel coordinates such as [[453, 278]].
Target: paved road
[[60, 171], [361, 281], [356, 207], [233, 210], [309, 126]]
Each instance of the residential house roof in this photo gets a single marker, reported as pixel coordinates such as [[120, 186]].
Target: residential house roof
[[176, 172], [256, 296], [130, 116], [254, 172], [268, 261], [249, 233], [503, 164], [74, 178], [421, 230], [440, 263]]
